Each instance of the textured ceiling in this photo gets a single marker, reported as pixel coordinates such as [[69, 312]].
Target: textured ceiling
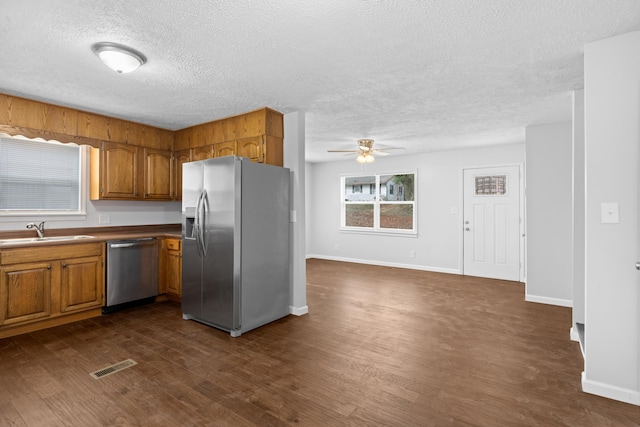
[[422, 74]]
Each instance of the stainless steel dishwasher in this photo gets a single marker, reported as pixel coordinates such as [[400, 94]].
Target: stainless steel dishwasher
[[132, 273]]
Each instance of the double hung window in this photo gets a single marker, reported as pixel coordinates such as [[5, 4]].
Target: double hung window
[[390, 206], [38, 177]]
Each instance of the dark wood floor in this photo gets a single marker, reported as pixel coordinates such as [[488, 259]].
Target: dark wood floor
[[380, 346]]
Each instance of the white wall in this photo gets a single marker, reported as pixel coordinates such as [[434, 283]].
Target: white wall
[[578, 208], [612, 139], [438, 246], [294, 140], [310, 216], [549, 214]]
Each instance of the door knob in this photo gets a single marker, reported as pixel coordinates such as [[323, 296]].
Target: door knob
[[638, 265], [467, 229]]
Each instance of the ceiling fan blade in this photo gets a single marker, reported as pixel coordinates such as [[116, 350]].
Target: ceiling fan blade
[[380, 153], [342, 151]]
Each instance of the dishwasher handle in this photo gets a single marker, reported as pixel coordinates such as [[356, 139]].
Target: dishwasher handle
[[129, 244]]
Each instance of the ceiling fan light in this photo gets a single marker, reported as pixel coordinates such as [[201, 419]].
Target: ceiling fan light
[[119, 58], [365, 157]]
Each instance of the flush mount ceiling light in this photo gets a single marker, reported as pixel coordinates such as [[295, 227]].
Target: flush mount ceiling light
[[119, 58]]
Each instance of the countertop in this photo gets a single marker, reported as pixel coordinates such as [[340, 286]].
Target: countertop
[[100, 234]]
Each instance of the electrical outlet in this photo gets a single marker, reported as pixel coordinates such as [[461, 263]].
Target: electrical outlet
[[337, 247], [412, 253], [610, 213], [104, 219]]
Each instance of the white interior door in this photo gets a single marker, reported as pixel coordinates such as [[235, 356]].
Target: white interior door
[[491, 222]]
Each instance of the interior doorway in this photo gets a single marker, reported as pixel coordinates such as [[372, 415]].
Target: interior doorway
[[492, 223]]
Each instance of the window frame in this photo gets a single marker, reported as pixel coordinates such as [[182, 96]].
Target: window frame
[[83, 171], [376, 202]]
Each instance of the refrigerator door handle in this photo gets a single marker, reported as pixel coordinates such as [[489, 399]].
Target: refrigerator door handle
[[203, 221], [197, 225]]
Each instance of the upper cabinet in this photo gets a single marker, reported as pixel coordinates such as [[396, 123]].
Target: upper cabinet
[[179, 158], [257, 135], [158, 174], [132, 161], [201, 153], [222, 149], [251, 148], [114, 172]]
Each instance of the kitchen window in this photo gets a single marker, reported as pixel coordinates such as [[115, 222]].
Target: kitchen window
[[389, 208], [40, 177]]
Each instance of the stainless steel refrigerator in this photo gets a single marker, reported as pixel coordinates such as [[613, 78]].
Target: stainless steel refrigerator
[[235, 234]]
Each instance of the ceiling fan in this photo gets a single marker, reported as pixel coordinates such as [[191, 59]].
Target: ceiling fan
[[365, 151]]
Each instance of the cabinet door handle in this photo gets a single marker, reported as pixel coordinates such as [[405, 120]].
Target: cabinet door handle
[[49, 267], [64, 264]]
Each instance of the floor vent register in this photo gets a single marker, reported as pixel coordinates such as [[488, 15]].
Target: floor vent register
[[101, 373]]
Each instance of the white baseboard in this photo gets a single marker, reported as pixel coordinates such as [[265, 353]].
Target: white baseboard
[[387, 264], [299, 311], [573, 335], [550, 301], [610, 391]]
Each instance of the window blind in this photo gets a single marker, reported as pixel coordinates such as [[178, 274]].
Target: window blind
[[39, 176]]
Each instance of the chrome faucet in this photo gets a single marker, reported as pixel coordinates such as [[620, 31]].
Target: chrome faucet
[[39, 228]]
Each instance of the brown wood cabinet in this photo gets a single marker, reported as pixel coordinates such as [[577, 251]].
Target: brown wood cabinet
[[114, 172], [25, 293], [158, 174], [171, 269], [104, 128], [179, 158], [222, 149], [202, 153], [257, 135], [27, 116], [44, 286], [132, 161], [81, 285], [251, 148]]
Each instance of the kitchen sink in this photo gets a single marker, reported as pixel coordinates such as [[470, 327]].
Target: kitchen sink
[[44, 239]]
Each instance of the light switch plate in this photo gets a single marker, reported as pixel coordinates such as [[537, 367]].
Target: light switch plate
[[610, 213]]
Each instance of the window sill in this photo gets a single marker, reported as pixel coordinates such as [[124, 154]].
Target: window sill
[[25, 215], [394, 233]]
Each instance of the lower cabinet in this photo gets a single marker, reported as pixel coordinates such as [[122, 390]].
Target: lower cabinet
[[25, 293], [50, 285], [81, 284], [171, 269]]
